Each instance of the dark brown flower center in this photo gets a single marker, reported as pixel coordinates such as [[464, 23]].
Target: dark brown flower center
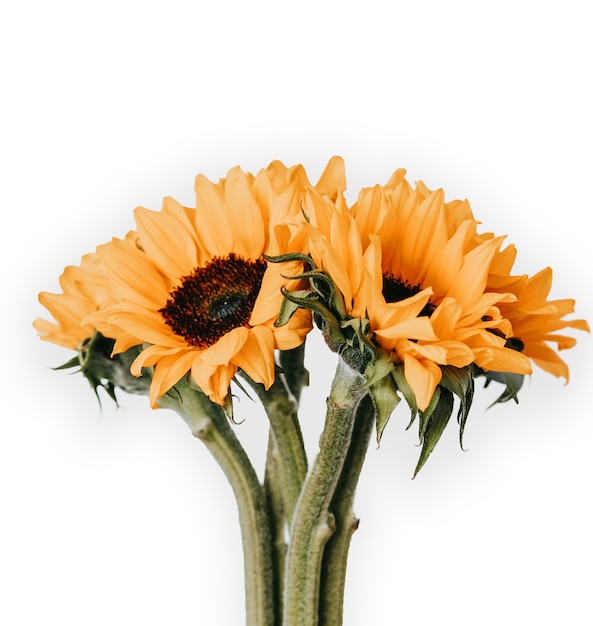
[[214, 299], [395, 289]]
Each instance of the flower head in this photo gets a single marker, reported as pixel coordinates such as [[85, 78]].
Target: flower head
[[409, 293], [415, 266], [197, 291]]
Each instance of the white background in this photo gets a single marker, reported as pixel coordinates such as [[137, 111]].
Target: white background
[[120, 517]]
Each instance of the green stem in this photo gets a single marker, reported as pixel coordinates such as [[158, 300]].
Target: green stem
[[208, 423], [286, 462], [313, 523], [335, 555], [282, 411], [274, 497]]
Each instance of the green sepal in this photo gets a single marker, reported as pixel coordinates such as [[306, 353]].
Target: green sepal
[[406, 390], [290, 306], [73, 362], [95, 363], [307, 300], [291, 256], [227, 406], [427, 413], [329, 294], [435, 425], [242, 387], [459, 381], [380, 367], [361, 327], [512, 383], [385, 399], [382, 387]]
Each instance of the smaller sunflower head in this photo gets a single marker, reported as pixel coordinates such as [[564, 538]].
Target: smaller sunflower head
[[85, 292]]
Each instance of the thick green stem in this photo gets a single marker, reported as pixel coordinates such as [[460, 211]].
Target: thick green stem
[[282, 411], [286, 462], [274, 497], [313, 522], [335, 555], [208, 423]]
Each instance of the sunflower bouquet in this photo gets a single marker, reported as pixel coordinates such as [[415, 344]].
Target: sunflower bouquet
[[200, 303]]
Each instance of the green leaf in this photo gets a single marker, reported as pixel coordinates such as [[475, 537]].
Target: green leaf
[[435, 426]]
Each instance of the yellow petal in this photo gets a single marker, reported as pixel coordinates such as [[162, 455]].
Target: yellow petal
[[220, 382], [132, 275], [223, 351], [472, 277], [256, 357], [212, 225], [333, 178], [167, 372], [370, 211], [151, 355], [423, 378], [167, 242], [426, 234], [147, 326], [243, 216], [269, 299]]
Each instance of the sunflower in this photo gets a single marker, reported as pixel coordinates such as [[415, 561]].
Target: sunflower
[[415, 266], [197, 290]]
